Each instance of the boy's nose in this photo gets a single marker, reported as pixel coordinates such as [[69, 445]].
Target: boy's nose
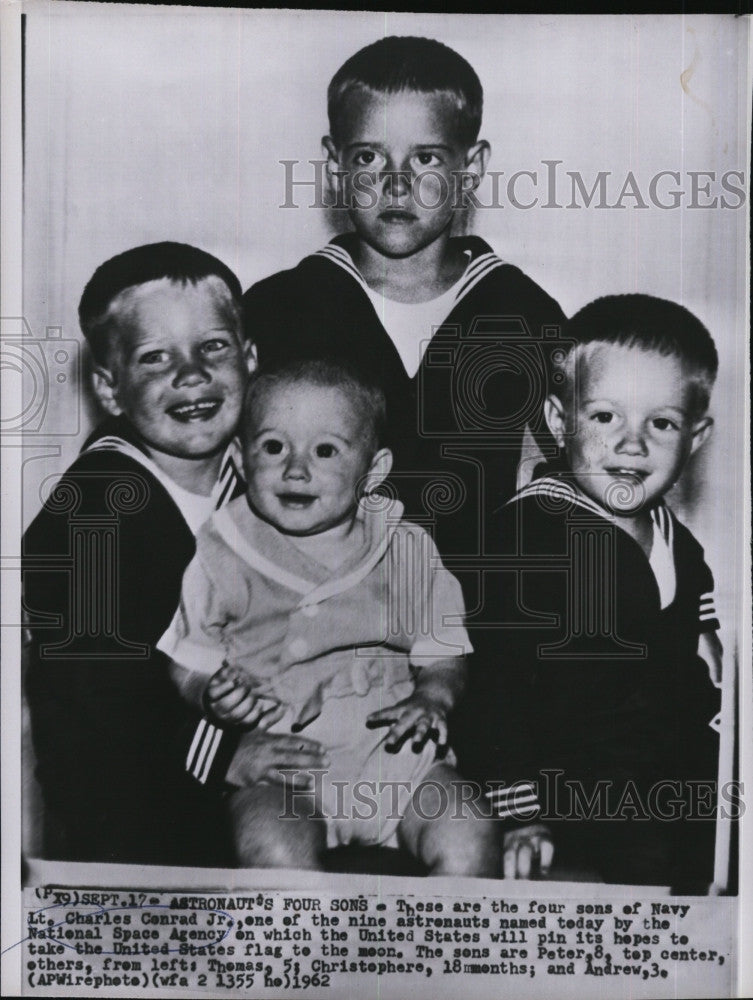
[[296, 467], [191, 372], [396, 182], [632, 443]]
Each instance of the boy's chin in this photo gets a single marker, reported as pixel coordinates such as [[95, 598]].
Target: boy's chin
[[397, 245], [197, 450], [626, 498]]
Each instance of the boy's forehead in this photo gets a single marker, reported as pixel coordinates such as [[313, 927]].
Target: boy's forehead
[[293, 398], [628, 370], [166, 306], [209, 290], [371, 115]]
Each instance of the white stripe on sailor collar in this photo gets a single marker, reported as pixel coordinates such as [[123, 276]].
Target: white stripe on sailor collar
[[662, 558], [556, 489], [477, 269], [221, 491]]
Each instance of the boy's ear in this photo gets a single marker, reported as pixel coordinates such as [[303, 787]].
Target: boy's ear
[[701, 431], [554, 414], [249, 355], [329, 149], [333, 166], [333, 161], [105, 389], [381, 465], [477, 160]]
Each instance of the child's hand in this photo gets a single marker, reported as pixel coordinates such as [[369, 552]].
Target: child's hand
[[526, 849], [710, 650], [419, 713], [232, 697]]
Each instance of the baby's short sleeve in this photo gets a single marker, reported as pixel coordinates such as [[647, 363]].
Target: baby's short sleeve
[[194, 637], [432, 599]]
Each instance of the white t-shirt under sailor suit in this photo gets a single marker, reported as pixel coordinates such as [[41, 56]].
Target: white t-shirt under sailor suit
[[332, 646]]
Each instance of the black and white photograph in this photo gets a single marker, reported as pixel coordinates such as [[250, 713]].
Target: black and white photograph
[[376, 523]]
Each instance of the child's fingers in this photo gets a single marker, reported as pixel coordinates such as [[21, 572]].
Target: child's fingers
[[524, 859], [244, 711], [271, 715], [220, 686], [255, 711], [404, 718], [546, 854], [517, 859], [262, 709], [384, 715], [440, 724], [232, 699], [402, 727], [426, 726], [525, 848], [510, 861], [423, 727], [248, 712]]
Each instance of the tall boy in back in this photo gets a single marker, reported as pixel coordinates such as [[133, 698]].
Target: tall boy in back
[[591, 684], [103, 560], [455, 335]]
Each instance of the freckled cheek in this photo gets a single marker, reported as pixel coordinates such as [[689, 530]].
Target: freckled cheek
[[594, 441]]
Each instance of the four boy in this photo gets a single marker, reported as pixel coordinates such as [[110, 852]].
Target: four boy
[[453, 339]]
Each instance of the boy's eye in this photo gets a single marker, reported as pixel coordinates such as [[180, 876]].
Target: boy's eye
[[664, 424], [367, 158], [214, 345], [325, 451], [152, 357], [272, 446], [426, 159], [602, 417]]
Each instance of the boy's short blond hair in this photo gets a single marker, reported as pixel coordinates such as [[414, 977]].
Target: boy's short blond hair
[[178, 262], [645, 322]]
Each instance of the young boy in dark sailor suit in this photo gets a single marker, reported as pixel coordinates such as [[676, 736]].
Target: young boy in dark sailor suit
[[588, 679]]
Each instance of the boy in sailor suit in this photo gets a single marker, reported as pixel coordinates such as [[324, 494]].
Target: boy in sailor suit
[[312, 607], [589, 681], [458, 338], [103, 560]]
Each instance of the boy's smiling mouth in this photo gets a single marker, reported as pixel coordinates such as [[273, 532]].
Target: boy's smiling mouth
[[200, 409], [622, 471]]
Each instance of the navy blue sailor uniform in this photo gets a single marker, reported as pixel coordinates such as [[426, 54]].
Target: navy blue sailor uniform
[[102, 568], [588, 691]]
